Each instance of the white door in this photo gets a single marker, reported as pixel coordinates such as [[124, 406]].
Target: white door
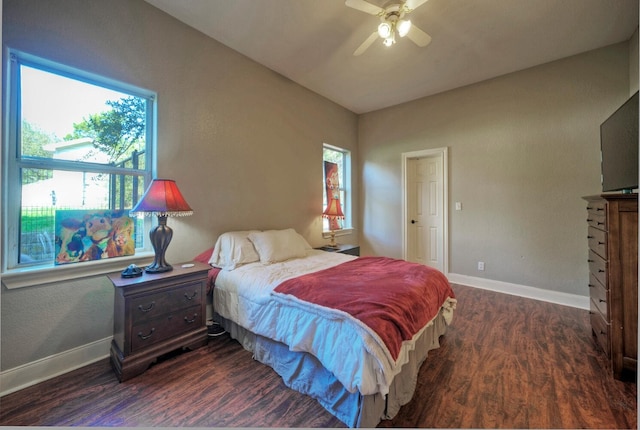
[[425, 210]]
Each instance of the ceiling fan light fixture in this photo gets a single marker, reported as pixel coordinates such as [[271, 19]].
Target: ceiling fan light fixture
[[403, 27], [393, 22], [384, 30]]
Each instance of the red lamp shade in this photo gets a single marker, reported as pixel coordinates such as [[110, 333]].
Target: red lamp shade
[[333, 210], [163, 198]]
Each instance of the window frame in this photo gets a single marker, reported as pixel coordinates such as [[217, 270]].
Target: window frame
[[15, 275], [345, 187]]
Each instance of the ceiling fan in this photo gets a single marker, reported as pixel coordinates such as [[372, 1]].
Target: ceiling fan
[[393, 22]]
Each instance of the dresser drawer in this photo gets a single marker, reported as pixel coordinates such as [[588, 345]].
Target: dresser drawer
[[597, 215], [598, 267], [165, 327], [600, 329], [153, 305], [598, 241], [599, 295]]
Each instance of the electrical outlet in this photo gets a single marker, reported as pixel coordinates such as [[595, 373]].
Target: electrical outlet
[[480, 265]]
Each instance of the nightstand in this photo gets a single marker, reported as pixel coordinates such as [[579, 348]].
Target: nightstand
[[155, 314], [343, 249]]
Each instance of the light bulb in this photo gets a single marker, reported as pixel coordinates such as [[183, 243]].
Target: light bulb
[[384, 30], [403, 27], [389, 41]]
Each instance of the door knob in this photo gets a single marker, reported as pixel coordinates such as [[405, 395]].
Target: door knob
[[413, 221]]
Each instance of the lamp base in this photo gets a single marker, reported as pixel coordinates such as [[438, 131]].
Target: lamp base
[[156, 268], [332, 243], [160, 237]]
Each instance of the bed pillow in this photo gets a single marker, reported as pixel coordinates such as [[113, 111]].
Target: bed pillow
[[279, 245], [233, 249]]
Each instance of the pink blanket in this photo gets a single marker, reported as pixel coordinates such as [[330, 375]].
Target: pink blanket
[[393, 297]]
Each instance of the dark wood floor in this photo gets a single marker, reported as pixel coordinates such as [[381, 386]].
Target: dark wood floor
[[506, 362]]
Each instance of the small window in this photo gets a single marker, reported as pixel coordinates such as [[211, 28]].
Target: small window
[[334, 157], [74, 141]]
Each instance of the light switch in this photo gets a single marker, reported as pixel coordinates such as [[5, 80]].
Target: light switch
[[458, 206]]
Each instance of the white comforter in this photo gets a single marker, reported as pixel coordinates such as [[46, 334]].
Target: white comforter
[[244, 296]]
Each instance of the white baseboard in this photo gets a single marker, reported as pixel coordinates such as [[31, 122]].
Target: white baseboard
[[49, 367], [573, 300]]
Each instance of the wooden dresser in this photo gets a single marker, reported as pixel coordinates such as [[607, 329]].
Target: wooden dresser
[[155, 314], [613, 277]]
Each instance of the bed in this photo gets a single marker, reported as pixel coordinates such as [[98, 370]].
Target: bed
[[352, 332]]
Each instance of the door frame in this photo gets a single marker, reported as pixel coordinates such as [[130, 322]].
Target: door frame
[[406, 156]]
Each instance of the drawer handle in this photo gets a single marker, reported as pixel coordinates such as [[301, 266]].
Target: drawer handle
[[188, 297], [602, 301], [145, 337], [600, 243], [188, 321], [589, 237], [600, 271], [591, 285], [600, 223], [589, 220], [147, 309]]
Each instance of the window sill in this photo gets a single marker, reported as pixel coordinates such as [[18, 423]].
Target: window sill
[[30, 277], [342, 232]]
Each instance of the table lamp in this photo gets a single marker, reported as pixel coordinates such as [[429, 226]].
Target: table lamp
[[333, 213], [162, 198]]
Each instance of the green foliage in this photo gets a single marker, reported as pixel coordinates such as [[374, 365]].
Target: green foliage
[[34, 220], [33, 142], [116, 132], [333, 156]]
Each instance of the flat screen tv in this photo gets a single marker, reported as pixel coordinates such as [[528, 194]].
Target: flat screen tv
[[619, 148]]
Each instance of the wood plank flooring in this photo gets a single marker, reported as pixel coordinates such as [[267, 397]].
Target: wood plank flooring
[[505, 362]]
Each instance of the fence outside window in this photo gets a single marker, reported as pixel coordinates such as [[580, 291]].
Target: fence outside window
[[37, 223]]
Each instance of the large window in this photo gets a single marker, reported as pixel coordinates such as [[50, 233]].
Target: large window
[[72, 141], [341, 158]]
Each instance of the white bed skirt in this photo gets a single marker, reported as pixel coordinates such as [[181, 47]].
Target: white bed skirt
[[304, 373]]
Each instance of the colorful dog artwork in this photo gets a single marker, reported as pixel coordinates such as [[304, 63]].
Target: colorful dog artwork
[[93, 235]]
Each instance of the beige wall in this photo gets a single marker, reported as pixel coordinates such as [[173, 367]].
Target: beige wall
[[523, 150], [243, 143], [633, 64]]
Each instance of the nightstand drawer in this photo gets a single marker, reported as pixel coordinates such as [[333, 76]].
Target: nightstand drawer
[[165, 327], [150, 306]]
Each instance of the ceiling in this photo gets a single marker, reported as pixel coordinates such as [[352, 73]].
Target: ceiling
[[312, 41]]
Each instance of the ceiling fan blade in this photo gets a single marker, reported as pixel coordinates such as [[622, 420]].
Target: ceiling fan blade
[[364, 6], [418, 36], [414, 4], [366, 44]]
